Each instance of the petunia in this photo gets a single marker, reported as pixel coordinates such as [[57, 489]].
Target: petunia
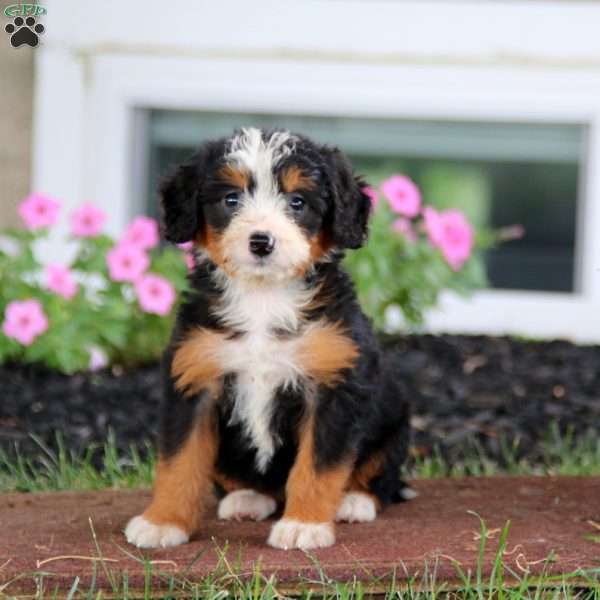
[[60, 281], [24, 321], [126, 262], [403, 195], [372, 194], [404, 227], [450, 232], [155, 294], [98, 359], [87, 221], [39, 211], [142, 232], [188, 254], [189, 261]]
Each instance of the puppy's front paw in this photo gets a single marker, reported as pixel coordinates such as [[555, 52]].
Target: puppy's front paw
[[356, 507], [142, 533], [288, 534], [246, 504]]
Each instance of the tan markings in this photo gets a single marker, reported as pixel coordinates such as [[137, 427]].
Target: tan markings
[[319, 246], [293, 179], [184, 481], [195, 365], [365, 473], [313, 495], [234, 177], [324, 351], [212, 242], [227, 483]]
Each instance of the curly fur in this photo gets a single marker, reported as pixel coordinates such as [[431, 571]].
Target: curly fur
[[303, 400]]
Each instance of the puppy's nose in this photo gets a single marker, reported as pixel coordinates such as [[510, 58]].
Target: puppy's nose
[[261, 243]]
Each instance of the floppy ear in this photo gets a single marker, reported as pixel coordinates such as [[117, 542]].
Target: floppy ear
[[350, 206], [180, 202]]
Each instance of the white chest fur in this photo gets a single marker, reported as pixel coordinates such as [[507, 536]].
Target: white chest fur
[[261, 360]]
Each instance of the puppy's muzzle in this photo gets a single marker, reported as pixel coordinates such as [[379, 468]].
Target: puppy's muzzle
[[261, 243]]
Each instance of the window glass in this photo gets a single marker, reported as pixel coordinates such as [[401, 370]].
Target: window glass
[[500, 174]]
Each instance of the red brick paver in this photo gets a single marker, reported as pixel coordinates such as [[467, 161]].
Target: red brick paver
[[557, 516]]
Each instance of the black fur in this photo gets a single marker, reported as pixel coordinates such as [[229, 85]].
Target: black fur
[[366, 413], [351, 206], [183, 193]]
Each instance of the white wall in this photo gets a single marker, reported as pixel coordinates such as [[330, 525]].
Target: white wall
[[516, 61]]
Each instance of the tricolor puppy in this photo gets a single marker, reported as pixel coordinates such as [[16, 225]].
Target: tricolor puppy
[[276, 391]]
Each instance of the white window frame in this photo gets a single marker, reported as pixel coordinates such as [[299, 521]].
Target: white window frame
[[91, 84]]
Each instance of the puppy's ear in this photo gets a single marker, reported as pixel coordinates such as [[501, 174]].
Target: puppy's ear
[[350, 207], [180, 201]]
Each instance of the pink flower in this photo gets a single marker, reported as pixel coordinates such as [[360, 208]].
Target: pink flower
[[372, 194], [403, 226], [188, 249], [98, 359], [189, 261], [433, 225], [87, 221], [126, 262], [403, 195], [24, 321], [60, 281], [155, 294], [39, 211], [142, 232], [451, 233]]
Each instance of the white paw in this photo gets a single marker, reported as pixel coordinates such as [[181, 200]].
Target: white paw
[[356, 507], [246, 504], [408, 493], [143, 534], [288, 534]]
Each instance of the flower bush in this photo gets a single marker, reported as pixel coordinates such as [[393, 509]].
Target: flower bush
[[112, 305], [413, 254]]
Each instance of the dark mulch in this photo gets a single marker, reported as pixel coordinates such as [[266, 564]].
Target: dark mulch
[[467, 390], [492, 391]]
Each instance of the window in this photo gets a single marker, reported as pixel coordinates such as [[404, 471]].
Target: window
[[500, 174]]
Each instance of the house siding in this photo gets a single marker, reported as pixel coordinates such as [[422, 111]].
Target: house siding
[[16, 100]]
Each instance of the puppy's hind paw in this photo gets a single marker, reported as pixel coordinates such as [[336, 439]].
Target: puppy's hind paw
[[142, 533], [246, 504], [288, 534], [356, 507]]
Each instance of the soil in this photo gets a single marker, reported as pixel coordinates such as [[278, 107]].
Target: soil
[[428, 536], [468, 391]]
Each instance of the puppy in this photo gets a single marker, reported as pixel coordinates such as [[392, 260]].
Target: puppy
[[276, 390]]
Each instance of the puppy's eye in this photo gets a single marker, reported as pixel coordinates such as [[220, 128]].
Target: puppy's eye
[[232, 199], [297, 202]]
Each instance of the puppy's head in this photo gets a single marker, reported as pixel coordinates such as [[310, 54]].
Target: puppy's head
[[266, 205]]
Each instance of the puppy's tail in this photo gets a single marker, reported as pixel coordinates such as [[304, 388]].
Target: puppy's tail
[[395, 400]]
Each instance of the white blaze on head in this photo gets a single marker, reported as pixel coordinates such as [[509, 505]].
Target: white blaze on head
[[250, 152], [263, 210]]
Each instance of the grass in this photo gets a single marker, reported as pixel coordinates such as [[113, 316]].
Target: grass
[[561, 454], [62, 470]]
